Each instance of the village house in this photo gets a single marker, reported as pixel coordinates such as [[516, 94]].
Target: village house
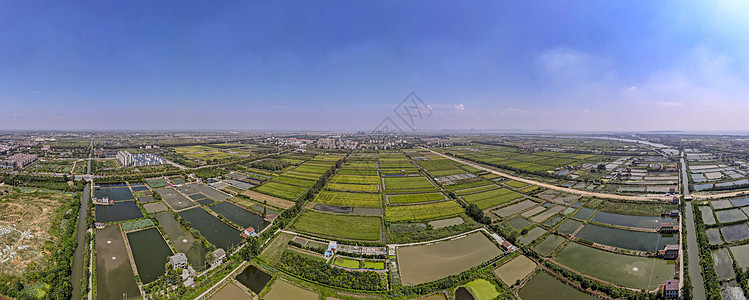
[[670, 251], [178, 260], [249, 232], [331, 248], [102, 201], [218, 256], [670, 289], [668, 228]]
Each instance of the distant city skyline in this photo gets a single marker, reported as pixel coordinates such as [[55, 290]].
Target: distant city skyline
[[329, 66]]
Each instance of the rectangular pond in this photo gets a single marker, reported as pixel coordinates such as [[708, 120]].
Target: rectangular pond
[[254, 279], [114, 274], [120, 211], [707, 215], [730, 215], [150, 252], [744, 201], [240, 216], [114, 194], [626, 239], [210, 192], [176, 200], [569, 226], [650, 222], [632, 271], [544, 287], [734, 233], [183, 241], [216, 232]]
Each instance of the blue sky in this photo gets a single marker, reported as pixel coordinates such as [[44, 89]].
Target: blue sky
[[335, 65]]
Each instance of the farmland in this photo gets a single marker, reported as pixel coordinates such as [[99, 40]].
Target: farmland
[[491, 198], [348, 199], [412, 198], [340, 226], [422, 211], [407, 182]]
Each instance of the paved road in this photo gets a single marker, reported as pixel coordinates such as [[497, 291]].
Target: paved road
[[554, 187], [693, 250]]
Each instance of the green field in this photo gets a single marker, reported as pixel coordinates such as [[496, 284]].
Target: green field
[[413, 198], [491, 198], [340, 226], [374, 265], [338, 178], [281, 190], [422, 211], [309, 168], [348, 199], [294, 181], [354, 187], [347, 263], [482, 289], [407, 182]]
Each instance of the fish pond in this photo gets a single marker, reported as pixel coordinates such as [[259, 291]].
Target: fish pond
[[544, 287], [120, 211], [254, 279], [216, 232], [240, 216], [626, 239], [114, 194], [650, 222], [183, 241], [150, 252]]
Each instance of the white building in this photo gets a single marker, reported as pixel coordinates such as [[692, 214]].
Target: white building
[[139, 160]]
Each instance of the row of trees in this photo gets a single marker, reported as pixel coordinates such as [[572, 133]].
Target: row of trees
[[272, 164], [44, 182], [712, 284]]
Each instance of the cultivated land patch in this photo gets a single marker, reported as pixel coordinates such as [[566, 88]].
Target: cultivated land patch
[[631, 271], [348, 199], [341, 226], [230, 291], [446, 222], [407, 182], [414, 198], [482, 289], [422, 211], [156, 182], [371, 188], [491, 198], [281, 190], [515, 269], [417, 263], [283, 290], [277, 202], [338, 178]]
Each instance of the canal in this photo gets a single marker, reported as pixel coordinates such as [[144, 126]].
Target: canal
[[79, 257], [693, 250]]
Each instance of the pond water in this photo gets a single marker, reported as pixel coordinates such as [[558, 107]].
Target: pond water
[[569, 226], [254, 279], [113, 272], [240, 216], [139, 188], [115, 184], [462, 293], [183, 241], [120, 211], [216, 232], [543, 287], [626, 239], [114, 194], [740, 201], [651, 222], [206, 201], [150, 252], [584, 213], [736, 232]]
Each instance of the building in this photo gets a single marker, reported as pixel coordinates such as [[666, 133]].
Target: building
[[668, 228], [670, 251], [102, 201], [218, 256], [139, 160], [270, 217], [670, 289], [19, 160], [99, 225], [674, 213], [178, 260], [332, 246], [249, 232], [675, 200]]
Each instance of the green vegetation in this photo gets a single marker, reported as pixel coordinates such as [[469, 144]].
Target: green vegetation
[[371, 188], [271, 164], [491, 198], [338, 178], [482, 289], [348, 199], [407, 182], [412, 198], [347, 263], [320, 272], [281, 190], [422, 211], [629, 208], [137, 224], [340, 226]]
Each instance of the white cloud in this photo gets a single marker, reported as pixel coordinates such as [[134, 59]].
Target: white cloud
[[459, 107]]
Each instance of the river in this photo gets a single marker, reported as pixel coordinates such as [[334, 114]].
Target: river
[[80, 249], [693, 250]]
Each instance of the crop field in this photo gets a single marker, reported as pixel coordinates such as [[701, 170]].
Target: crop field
[[281, 190], [371, 188], [218, 155], [52, 166], [491, 198], [514, 208], [515, 184], [515, 269], [348, 199], [417, 263], [513, 158], [277, 202], [156, 182], [355, 179], [482, 289], [413, 198], [294, 181], [30, 222], [307, 176], [631, 271], [314, 169], [422, 211], [347, 263], [407, 182], [192, 149], [355, 171], [469, 185], [339, 226]]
